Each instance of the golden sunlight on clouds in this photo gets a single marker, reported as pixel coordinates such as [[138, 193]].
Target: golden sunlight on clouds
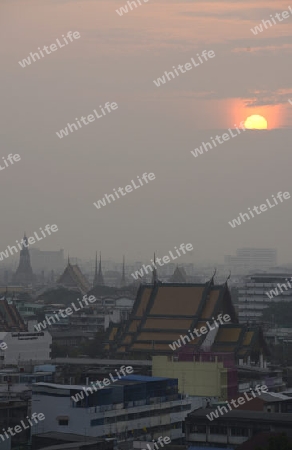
[[272, 113]]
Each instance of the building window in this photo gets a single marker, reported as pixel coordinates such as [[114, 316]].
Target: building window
[[198, 429], [237, 431], [63, 422], [95, 422], [218, 430]]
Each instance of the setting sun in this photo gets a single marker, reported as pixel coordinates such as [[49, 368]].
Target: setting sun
[[256, 122]]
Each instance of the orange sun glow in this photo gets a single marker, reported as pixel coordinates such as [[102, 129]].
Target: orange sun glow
[[256, 122]]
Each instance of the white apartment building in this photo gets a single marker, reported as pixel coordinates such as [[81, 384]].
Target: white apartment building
[[132, 408], [101, 313], [252, 297]]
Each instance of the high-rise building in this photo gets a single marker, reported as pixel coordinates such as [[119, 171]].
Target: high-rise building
[[46, 260], [253, 295], [249, 259]]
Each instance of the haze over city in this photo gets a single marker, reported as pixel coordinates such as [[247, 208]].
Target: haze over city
[[145, 248], [154, 129]]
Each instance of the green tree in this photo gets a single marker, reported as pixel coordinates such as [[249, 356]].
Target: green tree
[[60, 295], [280, 442]]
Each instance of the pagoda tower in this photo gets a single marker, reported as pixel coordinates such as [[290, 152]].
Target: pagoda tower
[[24, 274]]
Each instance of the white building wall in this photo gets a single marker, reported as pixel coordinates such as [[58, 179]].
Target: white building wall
[[80, 418], [25, 346], [114, 316]]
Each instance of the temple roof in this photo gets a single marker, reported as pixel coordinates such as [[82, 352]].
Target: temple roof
[[179, 275], [239, 339], [10, 319], [162, 312], [73, 277]]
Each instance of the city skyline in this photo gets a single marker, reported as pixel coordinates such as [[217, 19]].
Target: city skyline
[[187, 106]]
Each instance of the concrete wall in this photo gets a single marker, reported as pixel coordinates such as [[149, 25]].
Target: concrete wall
[[80, 418], [207, 379], [26, 346]]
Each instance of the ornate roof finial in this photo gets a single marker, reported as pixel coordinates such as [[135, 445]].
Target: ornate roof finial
[[213, 276], [154, 272], [228, 277]]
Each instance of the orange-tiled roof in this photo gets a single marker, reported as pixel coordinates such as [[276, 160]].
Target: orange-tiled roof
[[150, 346], [167, 323], [113, 333], [81, 278], [248, 337], [10, 318], [156, 336], [208, 310], [127, 339], [177, 301], [143, 301], [170, 300], [73, 277], [121, 349], [228, 334], [164, 312], [239, 339], [134, 325]]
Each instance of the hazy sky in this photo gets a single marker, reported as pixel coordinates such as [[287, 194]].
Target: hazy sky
[[154, 129]]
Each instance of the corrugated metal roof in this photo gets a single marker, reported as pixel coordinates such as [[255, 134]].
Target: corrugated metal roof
[[208, 447], [144, 378]]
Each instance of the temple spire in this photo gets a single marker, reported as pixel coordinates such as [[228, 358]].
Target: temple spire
[[95, 272], [179, 276], [123, 280], [98, 277], [24, 275]]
